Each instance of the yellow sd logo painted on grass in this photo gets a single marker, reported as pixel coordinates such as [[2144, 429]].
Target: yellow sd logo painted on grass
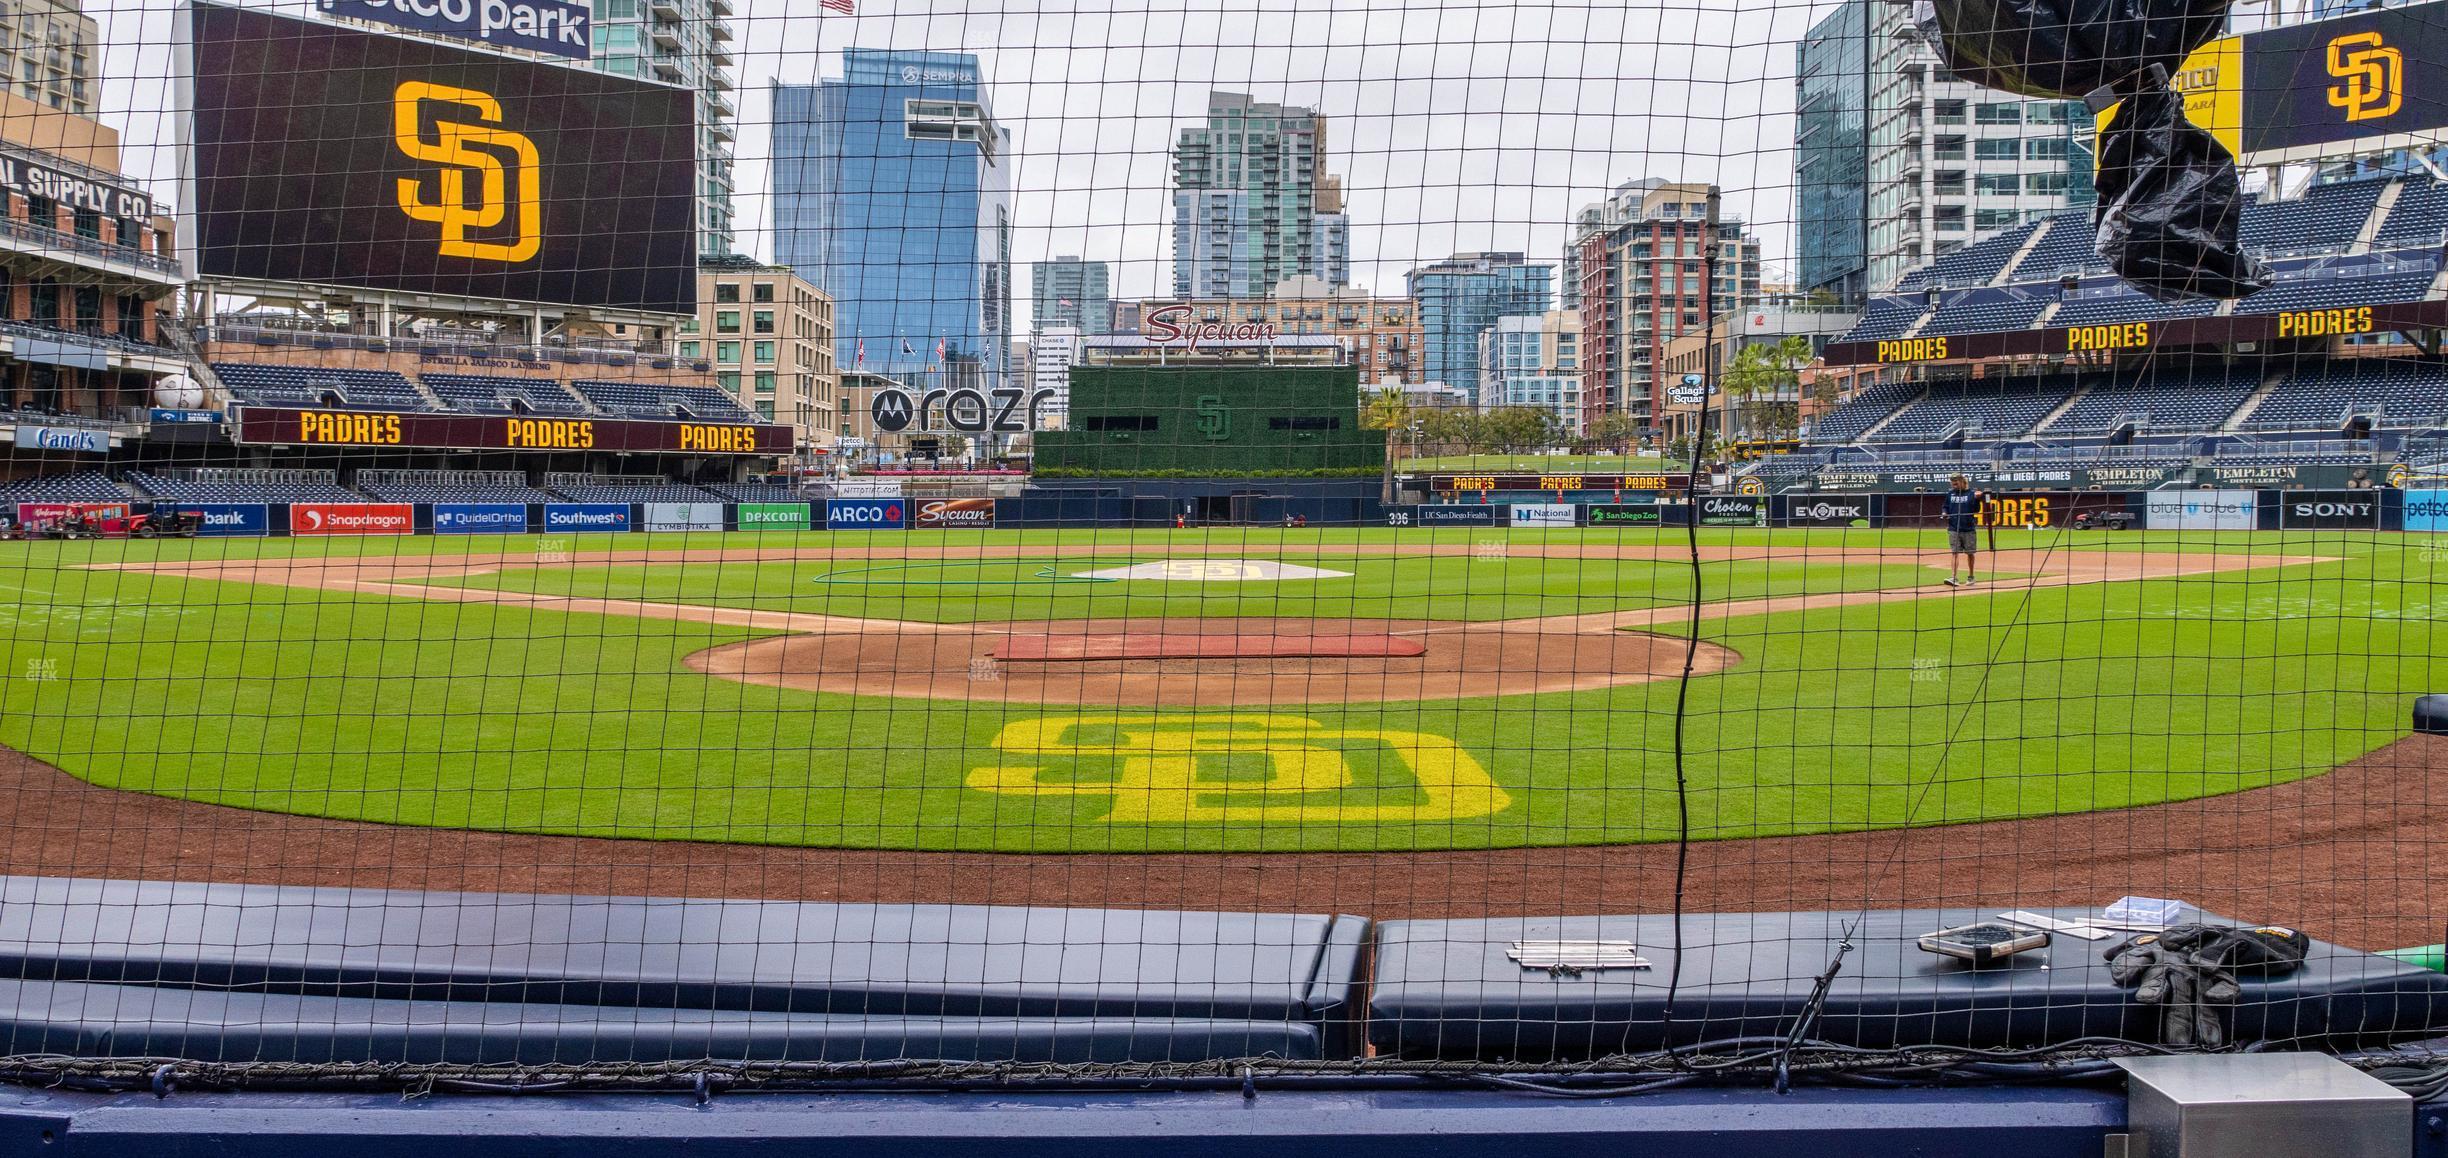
[[1280, 769]]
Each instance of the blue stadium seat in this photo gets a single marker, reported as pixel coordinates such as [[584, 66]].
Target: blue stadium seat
[[1985, 312], [1886, 318], [320, 386], [2318, 287], [82, 487], [631, 493], [497, 394], [2328, 216], [1974, 264], [758, 492], [1846, 422], [2171, 399], [1993, 411], [2406, 394], [2419, 218], [2066, 245], [2125, 304], [655, 400], [268, 491]]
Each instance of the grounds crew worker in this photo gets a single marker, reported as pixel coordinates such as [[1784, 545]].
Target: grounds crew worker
[[1963, 507]]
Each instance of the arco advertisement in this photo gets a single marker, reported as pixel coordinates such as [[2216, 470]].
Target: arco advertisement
[[866, 514], [352, 519], [774, 517]]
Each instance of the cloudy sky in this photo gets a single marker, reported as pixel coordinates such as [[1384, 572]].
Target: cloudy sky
[[1456, 126]]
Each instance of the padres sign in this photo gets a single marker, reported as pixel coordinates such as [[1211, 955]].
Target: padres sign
[[1241, 767]]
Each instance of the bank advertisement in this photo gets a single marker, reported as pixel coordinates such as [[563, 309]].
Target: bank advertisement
[[774, 517], [480, 518], [684, 516], [225, 519], [2220, 510], [586, 516]]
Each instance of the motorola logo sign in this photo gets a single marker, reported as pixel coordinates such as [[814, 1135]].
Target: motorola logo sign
[[892, 410]]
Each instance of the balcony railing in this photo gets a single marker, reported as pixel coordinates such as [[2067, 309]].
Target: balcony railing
[[83, 246]]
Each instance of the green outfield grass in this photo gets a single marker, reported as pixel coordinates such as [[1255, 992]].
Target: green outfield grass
[[1917, 710]]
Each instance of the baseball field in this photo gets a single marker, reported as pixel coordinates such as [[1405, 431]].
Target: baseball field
[[1241, 691]]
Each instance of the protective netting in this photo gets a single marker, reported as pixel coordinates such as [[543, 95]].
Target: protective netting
[[673, 545]]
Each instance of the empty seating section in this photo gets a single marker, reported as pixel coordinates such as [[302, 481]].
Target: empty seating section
[[319, 386], [2339, 288], [1847, 422], [491, 394], [1971, 265], [2405, 394], [247, 486], [2419, 217], [1988, 410], [634, 493], [2126, 306], [757, 492], [2328, 216], [446, 486], [2067, 244], [1886, 318], [2167, 401], [658, 401], [82, 487], [1985, 313]]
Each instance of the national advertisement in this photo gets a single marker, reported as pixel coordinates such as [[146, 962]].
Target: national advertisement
[[480, 518], [2218, 510], [937, 514], [1456, 514], [586, 516], [684, 516], [224, 519], [1621, 514], [866, 514], [1543, 514], [352, 519], [774, 517], [2426, 510]]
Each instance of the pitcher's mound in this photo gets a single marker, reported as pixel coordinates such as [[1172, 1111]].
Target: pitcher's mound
[[1088, 640], [1214, 571]]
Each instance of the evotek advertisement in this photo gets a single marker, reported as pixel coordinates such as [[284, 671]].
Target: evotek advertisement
[[1825, 510], [347, 157], [282, 426]]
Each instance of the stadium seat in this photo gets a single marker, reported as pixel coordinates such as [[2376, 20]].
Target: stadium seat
[[1865, 410], [2325, 217], [2419, 219], [635, 493], [81, 487], [2398, 393], [276, 487], [1971, 265], [320, 386], [1990, 411], [757, 492], [1984, 312], [2168, 401], [497, 394], [662, 401]]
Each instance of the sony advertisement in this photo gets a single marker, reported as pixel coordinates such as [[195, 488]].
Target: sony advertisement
[[348, 157], [2329, 510]]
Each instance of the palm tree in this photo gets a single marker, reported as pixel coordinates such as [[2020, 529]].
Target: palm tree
[[1389, 410]]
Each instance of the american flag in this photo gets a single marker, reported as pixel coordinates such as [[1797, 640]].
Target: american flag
[[862, 351], [842, 6]]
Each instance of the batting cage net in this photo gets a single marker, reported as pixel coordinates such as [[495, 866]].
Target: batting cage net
[[682, 543]]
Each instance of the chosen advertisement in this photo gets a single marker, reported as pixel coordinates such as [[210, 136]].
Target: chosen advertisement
[[343, 156], [1543, 514], [775, 517], [1731, 510], [1456, 514], [684, 516], [231, 519], [866, 514], [2426, 510], [480, 518], [352, 519], [1621, 514], [2202, 511], [938, 514], [1826, 510], [2329, 510], [586, 516]]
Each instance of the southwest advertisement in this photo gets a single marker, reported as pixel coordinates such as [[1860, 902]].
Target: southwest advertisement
[[586, 516]]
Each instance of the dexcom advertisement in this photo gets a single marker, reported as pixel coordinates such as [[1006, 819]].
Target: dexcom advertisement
[[349, 157]]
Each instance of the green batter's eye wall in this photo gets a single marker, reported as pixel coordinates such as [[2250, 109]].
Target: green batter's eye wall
[[1131, 420]]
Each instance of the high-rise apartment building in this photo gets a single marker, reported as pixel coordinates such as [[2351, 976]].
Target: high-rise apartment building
[[1069, 292], [769, 335], [891, 193], [1253, 203], [683, 42], [1381, 336], [47, 48], [1931, 162], [1642, 255], [1534, 360], [1462, 296], [1052, 351]]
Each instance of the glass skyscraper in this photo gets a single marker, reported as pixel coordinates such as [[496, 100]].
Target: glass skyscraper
[[684, 42], [1069, 292], [1462, 296], [1253, 203], [891, 193], [1832, 154]]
